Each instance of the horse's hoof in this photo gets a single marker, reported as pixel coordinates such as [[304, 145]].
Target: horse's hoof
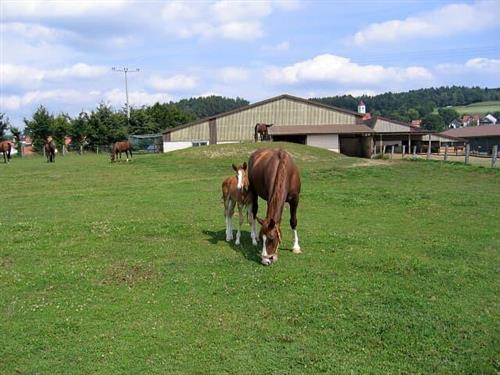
[[296, 250], [254, 242]]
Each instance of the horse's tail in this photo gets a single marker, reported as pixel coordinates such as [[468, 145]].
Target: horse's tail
[[255, 136], [9, 148]]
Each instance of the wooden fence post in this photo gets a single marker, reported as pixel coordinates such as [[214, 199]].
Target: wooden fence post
[[494, 154], [403, 154], [467, 153], [97, 150], [383, 151], [429, 149], [446, 153], [392, 151], [414, 152]]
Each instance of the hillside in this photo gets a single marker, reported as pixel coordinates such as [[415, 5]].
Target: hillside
[[481, 108]]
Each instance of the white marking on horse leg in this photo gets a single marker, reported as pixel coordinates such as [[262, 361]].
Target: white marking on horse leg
[[296, 247], [238, 234], [253, 233], [227, 228]]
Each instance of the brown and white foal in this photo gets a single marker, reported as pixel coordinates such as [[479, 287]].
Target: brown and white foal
[[235, 191]]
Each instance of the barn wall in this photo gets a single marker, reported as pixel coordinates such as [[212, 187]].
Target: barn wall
[[328, 141], [198, 132], [240, 125]]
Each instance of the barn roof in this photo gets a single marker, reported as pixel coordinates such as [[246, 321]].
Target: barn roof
[[319, 129], [263, 102], [474, 131]]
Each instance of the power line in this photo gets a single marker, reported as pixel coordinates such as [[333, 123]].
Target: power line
[[126, 71]]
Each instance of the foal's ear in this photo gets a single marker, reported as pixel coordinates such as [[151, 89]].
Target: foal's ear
[[235, 168], [245, 166]]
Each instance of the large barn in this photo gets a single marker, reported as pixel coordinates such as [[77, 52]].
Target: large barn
[[296, 120]]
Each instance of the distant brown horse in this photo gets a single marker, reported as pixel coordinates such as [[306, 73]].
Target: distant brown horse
[[274, 177], [119, 147], [50, 150], [5, 148], [262, 131], [235, 190]]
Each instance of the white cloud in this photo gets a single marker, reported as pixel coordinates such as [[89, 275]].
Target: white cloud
[[57, 8], [448, 20], [178, 82], [22, 75], [66, 96], [340, 69], [479, 65], [238, 20], [116, 97], [233, 74]]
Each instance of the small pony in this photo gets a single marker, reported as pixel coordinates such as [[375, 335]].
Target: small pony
[[235, 190], [5, 148], [119, 147], [50, 150], [262, 131]]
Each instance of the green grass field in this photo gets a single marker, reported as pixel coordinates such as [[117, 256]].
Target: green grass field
[[481, 108], [123, 269]]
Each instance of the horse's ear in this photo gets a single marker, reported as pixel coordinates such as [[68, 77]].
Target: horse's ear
[[261, 222], [235, 168], [245, 166], [271, 224]]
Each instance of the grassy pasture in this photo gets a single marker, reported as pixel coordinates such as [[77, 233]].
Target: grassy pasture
[[123, 268], [481, 108]]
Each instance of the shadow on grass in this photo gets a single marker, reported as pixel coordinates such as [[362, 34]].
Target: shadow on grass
[[246, 248]]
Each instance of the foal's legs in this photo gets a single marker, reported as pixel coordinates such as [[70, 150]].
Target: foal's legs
[[238, 234], [229, 211], [254, 206], [294, 202]]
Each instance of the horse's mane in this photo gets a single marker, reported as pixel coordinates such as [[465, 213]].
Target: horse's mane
[[277, 200]]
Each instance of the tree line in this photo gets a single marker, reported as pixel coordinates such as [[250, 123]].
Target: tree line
[[105, 125]]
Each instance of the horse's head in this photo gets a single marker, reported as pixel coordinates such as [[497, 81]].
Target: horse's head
[[49, 139], [271, 238], [241, 175]]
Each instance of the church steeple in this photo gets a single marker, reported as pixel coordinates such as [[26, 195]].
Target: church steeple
[[361, 107]]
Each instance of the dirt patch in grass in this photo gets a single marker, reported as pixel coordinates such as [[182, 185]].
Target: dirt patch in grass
[[371, 163], [124, 273]]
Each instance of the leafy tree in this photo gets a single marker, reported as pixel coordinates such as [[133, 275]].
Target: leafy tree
[[4, 125], [17, 134], [80, 130], [433, 122], [448, 114], [413, 114], [210, 105], [39, 127]]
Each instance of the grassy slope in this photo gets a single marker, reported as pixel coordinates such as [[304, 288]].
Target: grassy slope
[[481, 108], [124, 269]]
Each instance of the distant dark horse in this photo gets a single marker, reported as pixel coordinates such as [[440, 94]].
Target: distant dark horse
[[274, 176], [119, 147], [50, 150], [262, 130], [5, 148]]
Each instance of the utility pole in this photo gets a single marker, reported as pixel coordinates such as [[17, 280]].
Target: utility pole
[[126, 70]]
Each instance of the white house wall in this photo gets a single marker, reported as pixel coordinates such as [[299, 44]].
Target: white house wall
[[328, 141]]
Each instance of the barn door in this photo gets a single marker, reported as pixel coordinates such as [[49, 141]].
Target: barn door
[[212, 131]]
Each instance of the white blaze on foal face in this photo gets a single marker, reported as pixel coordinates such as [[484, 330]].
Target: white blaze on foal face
[[240, 179]]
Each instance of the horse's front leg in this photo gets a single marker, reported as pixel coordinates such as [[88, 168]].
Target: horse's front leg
[[294, 202], [252, 214], [229, 219], [238, 234]]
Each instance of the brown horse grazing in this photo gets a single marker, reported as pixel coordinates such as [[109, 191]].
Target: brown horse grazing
[[274, 177], [262, 130], [119, 147], [5, 148], [50, 150], [235, 190]]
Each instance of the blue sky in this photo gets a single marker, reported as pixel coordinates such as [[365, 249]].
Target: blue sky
[[60, 53]]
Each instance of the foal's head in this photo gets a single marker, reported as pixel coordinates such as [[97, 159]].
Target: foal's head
[[241, 175], [271, 238]]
